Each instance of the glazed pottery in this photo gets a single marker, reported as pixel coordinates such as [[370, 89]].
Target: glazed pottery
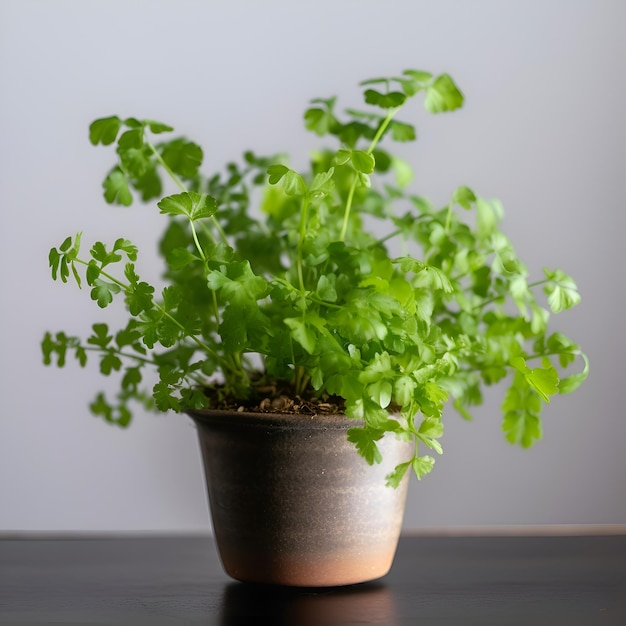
[[292, 503]]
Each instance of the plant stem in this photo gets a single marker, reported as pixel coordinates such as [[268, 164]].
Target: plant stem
[[379, 133], [165, 166], [197, 242], [346, 213], [303, 221], [382, 128], [448, 218], [180, 184], [136, 357], [164, 311]]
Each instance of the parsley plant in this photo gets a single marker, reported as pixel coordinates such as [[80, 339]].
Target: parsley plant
[[308, 296]]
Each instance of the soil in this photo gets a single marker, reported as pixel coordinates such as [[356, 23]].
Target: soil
[[275, 398]]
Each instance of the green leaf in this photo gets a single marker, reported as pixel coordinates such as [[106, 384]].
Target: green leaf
[[180, 257], [100, 407], [365, 441], [326, 288], [110, 362], [131, 379], [464, 196], [116, 188], [104, 130], [130, 139], [182, 157], [442, 95], [193, 399], [139, 297], [487, 218], [100, 336], [400, 131], [403, 171], [321, 121], [395, 478], [413, 81], [545, 380], [322, 184], [158, 127], [239, 284], [103, 292], [191, 204], [521, 408], [172, 297], [380, 391], [149, 184], [100, 254], [293, 183], [164, 397], [56, 267], [404, 388], [422, 465], [127, 247], [50, 346], [302, 333], [363, 161], [128, 336], [389, 100], [573, 381], [431, 427], [62, 260], [342, 157], [276, 172], [562, 291], [522, 428], [233, 329]]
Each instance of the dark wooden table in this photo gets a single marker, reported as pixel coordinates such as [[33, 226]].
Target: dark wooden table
[[163, 581]]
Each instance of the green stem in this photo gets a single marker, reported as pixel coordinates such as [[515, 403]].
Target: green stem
[[164, 311], [382, 128], [303, 222], [496, 298], [119, 283], [346, 213], [181, 185], [165, 166], [136, 357], [382, 240], [448, 218], [379, 133], [197, 242]]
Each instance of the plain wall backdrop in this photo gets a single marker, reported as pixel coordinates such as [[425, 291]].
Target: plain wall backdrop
[[542, 130]]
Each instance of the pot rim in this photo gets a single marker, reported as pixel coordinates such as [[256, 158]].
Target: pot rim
[[308, 421]]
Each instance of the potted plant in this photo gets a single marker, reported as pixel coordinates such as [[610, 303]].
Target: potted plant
[[314, 324]]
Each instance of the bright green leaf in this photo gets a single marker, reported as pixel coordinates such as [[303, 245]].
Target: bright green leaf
[[182, 157], [365, 441], [191, 204], [363, 161], [104, 130], [393, 479], [116, 188], [422, 466], [442, 95], [562, 291]]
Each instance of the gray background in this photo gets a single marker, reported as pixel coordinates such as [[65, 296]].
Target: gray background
[[542, 130]]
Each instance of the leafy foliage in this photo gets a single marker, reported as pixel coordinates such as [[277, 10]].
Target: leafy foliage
[[311, 293]]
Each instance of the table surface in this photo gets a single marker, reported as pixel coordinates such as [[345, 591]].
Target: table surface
[[166, 581]]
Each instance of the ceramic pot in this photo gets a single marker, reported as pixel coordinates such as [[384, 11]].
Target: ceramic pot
[[292, 503]]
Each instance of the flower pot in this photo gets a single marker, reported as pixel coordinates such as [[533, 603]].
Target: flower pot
[[292, 502]]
